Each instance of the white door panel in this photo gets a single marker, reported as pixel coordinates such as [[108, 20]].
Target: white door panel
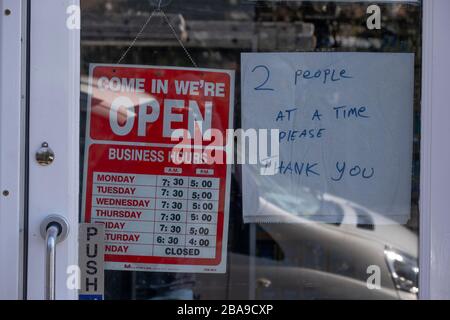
[[54, 114]]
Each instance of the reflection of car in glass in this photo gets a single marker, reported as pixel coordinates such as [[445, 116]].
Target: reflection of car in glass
[[331, 260]]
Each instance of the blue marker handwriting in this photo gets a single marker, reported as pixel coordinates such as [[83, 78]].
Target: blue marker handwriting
[[311, 169], [324, 75], [339, 113], [292, 135], [298, 168], [352, 171], [347, 112], [282, 114]]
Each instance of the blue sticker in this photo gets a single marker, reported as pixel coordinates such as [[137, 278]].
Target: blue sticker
[[90, 297]]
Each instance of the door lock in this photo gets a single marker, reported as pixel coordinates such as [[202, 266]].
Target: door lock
[[45, 155]]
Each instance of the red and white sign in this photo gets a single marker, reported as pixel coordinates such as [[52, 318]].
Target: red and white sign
[[159, 214]]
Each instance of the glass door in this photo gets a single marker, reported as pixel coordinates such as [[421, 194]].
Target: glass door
[[340, 81]]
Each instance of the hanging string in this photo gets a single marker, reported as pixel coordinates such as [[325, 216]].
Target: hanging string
[[137, 37], [172, 28], [178, 39]]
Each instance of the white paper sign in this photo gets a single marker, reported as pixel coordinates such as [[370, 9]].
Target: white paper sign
[[345, 125]]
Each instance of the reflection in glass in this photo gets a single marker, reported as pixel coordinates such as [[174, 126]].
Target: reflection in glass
[[302, 258]]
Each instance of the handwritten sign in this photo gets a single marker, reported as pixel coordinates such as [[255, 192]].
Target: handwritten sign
[[345, 124]]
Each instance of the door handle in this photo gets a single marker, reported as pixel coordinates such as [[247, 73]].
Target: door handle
[[54, 229]]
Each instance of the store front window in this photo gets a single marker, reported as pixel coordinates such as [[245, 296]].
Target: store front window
[[336, 84]]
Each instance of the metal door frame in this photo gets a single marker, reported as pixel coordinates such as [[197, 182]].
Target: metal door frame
[[12, 146], [435, 154]]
